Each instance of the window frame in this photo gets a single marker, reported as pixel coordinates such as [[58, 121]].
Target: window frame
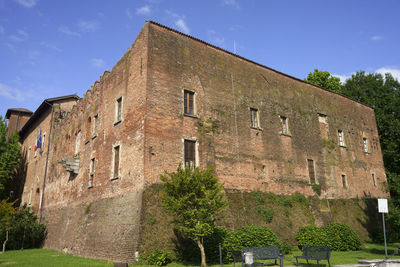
[[254, 122], [373, 176], [95, 125], [118, 110], [341, 139], [194, 153], [284, 125], [365, 145], [115, 167], [92, 167], [344, 181], [314, 171], [186, 103]]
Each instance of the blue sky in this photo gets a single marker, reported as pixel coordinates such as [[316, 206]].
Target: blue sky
[[51, 48]]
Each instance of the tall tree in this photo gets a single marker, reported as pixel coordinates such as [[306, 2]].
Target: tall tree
[[383, 94], [194, 197], [10, 158], [325, 80]]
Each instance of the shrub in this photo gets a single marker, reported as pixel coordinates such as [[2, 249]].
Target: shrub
[[316, 188], [258, 197], [26, 232], [266, 213], [299, 198], [158, 257], [249, 236], [340, 237]]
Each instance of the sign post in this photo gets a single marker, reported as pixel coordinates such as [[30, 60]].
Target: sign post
[[383, 208]]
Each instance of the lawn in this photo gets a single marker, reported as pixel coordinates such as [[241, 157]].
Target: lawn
[[45, 257]]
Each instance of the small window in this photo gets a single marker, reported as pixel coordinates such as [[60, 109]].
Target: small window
[[28, 157], [118, 110], [95, 124], [78, 142], [373, 179], [365, 145], [91, 172], [189, 103], [344, 181], [284, 125], [311, 171], [43, 143], [254, 118], [116, 162], [190, 153], [341, 138]]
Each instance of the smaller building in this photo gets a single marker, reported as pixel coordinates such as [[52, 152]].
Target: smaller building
[[17, 117]]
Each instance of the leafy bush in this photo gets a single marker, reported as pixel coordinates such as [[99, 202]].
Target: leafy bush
[[26, 232], [340, 237], [299, 198], [258, 197], [158, 257], [266, 213], [249, 236]]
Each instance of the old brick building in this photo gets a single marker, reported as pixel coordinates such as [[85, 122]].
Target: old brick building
[[175, 99]]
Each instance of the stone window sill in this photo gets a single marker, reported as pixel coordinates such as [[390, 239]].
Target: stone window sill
[[114, 178], [190, 116]]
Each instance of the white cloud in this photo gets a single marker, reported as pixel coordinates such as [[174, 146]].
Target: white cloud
[[19, 37], [232, 3], [179, 21], [97, 62], [144, 10], [128, 13], [88, 26], [181, 24], [14, 93], [67, 31], [376, 38], [1, 29], [27, 3], [395, 72], [342, 78], [51, 46]]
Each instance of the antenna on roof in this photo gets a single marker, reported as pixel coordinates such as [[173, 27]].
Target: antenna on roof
[[234, 47]]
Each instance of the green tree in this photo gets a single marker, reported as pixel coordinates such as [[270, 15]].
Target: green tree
[[325, 80], [10, 158], [7, 212], [194, 197]]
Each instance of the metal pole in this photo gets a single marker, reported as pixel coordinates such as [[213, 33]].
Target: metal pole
[[280, 260], [220, 254], [384, 233]]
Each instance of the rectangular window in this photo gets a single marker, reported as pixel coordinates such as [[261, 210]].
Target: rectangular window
[[322, 118], [116, 162], [78, 142], [341, 138], [95, 123], [311, 171], [29, 154], [118, 110], [189, 103], [190, 153], [253, 118], [344, 181], [373, 179], [91, 173], [44, 141], [365, 145], [284, 125]]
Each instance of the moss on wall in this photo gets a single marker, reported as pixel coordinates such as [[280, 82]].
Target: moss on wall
[[289, 213]]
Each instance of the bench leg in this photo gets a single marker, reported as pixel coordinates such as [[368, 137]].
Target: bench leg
[[329, 263], [318, 262]]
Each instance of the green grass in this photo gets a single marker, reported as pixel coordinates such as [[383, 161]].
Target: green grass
[[45, 257]]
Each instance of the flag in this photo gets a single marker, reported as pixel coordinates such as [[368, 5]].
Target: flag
[[38, 141]]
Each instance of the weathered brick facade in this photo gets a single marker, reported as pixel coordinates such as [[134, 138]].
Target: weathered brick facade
[[95, 212]]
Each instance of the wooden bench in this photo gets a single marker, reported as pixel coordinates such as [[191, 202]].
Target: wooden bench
[[317, 253], [261, 253]]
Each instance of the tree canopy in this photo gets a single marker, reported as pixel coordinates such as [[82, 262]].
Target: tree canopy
[[194, 197], [10, 158], [325, 80]]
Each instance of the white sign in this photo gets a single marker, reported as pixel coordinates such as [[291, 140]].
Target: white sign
[[382, 205]]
